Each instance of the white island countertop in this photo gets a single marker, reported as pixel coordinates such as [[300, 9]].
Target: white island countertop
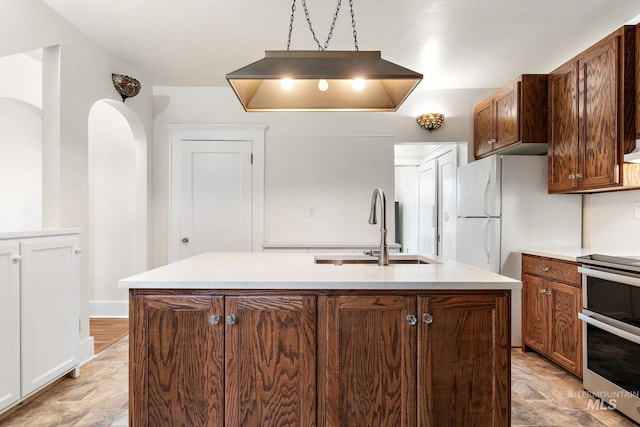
[[273, 270]]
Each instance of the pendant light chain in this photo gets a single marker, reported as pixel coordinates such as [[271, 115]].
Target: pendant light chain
[[293, 11], [333, 24]]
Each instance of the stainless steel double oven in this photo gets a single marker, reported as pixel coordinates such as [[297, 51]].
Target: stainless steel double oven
[[611, 330]]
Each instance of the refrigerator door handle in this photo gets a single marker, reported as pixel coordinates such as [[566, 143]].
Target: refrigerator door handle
[[485, 196], [485, 239]]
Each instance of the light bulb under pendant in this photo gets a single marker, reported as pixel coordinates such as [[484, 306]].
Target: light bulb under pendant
[[323, 85], [286, 84], [358, 84]]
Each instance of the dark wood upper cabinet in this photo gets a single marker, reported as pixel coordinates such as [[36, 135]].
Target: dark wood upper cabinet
[[514, 119], [592, 114]]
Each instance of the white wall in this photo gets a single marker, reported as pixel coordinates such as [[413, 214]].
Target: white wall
[[609, 222], [320, 168], [71, 86]]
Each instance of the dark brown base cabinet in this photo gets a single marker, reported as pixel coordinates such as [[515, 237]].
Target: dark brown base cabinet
[[551, 301], [327, 358]]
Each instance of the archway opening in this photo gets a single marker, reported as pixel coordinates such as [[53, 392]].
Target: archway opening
[[117, 204]]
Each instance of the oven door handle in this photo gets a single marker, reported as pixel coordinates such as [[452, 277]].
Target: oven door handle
[[611, 329], [612, 277]]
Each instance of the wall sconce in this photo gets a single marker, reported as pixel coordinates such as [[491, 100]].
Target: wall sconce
[[430, 121], [126, 86]]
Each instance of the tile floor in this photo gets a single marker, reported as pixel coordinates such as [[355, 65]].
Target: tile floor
[[542, 395]]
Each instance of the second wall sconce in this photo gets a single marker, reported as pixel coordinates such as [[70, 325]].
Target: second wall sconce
[[430, 121]]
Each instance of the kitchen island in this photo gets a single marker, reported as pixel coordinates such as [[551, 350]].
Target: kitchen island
[[275, 339]]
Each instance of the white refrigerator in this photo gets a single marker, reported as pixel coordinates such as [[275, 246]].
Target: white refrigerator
[[502, 208]]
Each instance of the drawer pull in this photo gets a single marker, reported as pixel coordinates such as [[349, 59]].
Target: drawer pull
[[545, 269]]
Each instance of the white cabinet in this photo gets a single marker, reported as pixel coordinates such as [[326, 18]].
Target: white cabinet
[[39, 312], [9, 324]]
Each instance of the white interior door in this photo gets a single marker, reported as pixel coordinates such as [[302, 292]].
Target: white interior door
[[427, 208], [215, 197], [447, 165]]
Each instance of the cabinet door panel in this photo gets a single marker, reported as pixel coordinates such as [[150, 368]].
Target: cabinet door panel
[[598, 115], [178, 360], [271, 361], [369, 372], [484, 129], [535, 308], [563, 127], [48, 309], [566, 334], [9, 324], [457, 387], [507, 115]]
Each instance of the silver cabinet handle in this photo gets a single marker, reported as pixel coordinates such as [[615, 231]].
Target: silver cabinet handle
[[572, 176], [578, 175], [185, 240], [543, 291], [214, 319], [545, 269], [412, 320], [548, 293], [230, 319], [17, 258], [427, 318]]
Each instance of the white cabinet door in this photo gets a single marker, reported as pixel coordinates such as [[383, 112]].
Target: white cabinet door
[[9, 324], [49, 309]]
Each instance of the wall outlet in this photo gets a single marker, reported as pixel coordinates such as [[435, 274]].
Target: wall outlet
[[636, 211]]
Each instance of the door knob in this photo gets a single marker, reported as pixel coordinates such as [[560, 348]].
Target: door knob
[[185, 240]]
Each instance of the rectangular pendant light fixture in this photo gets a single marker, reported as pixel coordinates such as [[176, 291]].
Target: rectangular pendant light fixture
[[321, 80]]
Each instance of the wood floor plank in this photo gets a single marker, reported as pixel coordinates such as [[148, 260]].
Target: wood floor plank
[[106, 331]]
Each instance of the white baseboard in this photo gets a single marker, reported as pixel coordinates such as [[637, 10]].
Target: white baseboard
[[85, 351], [109, 309]]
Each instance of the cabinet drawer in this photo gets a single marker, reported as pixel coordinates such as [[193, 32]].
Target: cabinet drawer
[[563, 271]]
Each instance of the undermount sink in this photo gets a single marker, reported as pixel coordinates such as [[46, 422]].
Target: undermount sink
[[340, 260]]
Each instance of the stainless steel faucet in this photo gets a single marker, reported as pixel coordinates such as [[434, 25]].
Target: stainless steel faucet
[[383, 252]]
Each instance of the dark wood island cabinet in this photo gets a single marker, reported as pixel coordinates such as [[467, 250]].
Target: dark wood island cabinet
[[333, 358]]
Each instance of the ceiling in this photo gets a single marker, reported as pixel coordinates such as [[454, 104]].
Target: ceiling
[[454, 43]]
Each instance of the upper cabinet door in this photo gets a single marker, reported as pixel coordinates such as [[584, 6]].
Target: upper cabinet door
[[563, 127], [598, 83], [484, 132], [507, 116]]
